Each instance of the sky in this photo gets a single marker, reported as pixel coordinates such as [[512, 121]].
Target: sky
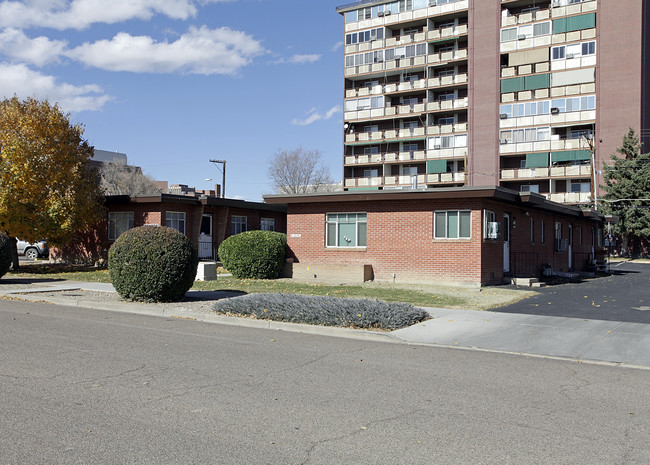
[[175, 83]]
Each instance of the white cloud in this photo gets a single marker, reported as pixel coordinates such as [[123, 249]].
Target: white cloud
[[24, 82], [313, 116], [39, 51], [79, 14], [199, 51], [337, 46], [300, 59]]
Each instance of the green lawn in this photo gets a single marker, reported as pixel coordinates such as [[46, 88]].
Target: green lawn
[[420, 295]]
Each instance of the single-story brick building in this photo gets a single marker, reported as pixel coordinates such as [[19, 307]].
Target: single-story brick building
[[205, 220], [469, 235]]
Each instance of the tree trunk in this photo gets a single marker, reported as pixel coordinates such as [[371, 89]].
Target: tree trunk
[[15, 264]]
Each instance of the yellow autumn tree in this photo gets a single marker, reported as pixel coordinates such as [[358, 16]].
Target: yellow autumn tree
[[46, 189]]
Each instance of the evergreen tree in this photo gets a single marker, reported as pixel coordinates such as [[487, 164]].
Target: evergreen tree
[[627, 183]]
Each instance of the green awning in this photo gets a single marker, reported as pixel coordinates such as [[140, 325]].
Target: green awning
[[570, 155], [537, 160], [436, 166], [512, 85], [537, 81]]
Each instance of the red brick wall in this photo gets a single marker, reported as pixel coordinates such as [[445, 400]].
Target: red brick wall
[[400, 240]]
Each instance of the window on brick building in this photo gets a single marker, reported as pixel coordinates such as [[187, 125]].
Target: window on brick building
[[346, 229], [175, 220], [452, 224], [118, 222], [267, 224], [532, 231], [491, 227], [239, 224]]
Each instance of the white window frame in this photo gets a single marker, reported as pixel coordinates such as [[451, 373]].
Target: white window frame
[[490, 217], [238, 224], [176, 220], [446, 214], [267, 224], [119, 222], [360, 221]]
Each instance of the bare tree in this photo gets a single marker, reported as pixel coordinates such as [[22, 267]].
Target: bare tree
[[118, 178], [299, 171]]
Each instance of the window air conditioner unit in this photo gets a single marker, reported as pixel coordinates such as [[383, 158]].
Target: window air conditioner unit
[[503, 116], [555, 111], [521, 37], [561, 245], [556, 2], [380, 14], [504, 141], [493, 230], [387, 13], [569, 56], [433, 2], [437, 147]]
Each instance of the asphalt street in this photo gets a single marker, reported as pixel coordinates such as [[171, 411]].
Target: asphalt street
[[88, 386], [623, 296]]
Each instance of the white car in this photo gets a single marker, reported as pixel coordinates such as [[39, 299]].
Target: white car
[[32, 251]]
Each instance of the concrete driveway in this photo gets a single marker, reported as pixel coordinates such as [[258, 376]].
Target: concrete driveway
[[623, 296]]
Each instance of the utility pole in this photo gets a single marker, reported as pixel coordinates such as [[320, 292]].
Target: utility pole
[[223, 170], [592, 161]]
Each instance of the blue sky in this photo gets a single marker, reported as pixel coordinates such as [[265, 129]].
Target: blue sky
[[174, 83]]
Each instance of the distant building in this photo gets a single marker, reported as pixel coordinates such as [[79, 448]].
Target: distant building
[[442, 93]]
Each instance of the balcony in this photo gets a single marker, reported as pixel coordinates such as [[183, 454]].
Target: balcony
[[446, 129], [405, 86], [443, 105], [445, 57], [406, 181], [385, 135], [454, 152], [398, 111], [573, 171], [543, 145], [406, 39], [569, 197], [447, 32], [444, 81], [396, 18], [524, 18], [364, 91], [563, 9]]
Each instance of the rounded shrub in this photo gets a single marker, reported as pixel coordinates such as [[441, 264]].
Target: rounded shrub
[[152, 264], [5, 254], [254, 254]]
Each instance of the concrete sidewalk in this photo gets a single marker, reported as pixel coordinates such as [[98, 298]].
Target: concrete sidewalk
[[547, 336]]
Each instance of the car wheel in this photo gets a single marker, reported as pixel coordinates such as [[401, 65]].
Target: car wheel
[[31, 253]]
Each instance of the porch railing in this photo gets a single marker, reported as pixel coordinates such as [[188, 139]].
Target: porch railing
[[208, 250]]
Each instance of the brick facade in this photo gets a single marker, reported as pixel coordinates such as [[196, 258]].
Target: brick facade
[[400, 243], [92, 246]]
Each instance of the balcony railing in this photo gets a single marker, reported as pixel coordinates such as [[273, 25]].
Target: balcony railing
[[523, 18], [443, 81], [574, 9], [446, 129], [385, 135], [569, 197], [452, 31], [406, 181], [572, 171], [448, 104]]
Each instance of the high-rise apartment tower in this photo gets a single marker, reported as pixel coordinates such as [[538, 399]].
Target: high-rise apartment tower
[[529, 95]]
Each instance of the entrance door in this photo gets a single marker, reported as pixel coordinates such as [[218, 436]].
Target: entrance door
[[506, 242], [205, 238]]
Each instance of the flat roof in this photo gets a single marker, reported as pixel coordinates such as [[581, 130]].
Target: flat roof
[[525, 199]]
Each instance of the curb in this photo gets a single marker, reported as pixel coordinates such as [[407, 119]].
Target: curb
[[182, 313]]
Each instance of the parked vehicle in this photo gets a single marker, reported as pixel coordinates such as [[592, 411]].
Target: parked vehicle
[[32, 251]]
